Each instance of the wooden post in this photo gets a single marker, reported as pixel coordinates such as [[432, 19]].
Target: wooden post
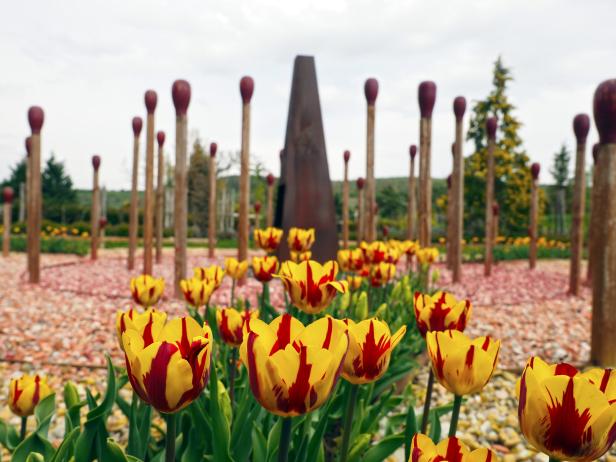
[[412, 204], [449, 227], [247, 86], [270, 200], [102, 223], [534, 212], [427, 97], [459, 108], [7, 195], [95, 210], [603, 344], [148, 204], [581, 126], [495, 224], [133, 219], [593, 203], [491, 125], [28, 199], [345, 201], [36, 117], [257, 207], [371, 90], [211, 222], [180, 92], [160, 196], [360, 210]]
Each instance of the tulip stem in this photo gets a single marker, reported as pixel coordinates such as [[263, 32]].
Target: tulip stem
[[455, 414], [24, 426], [232, 368], [170, 439], [426, 409], [348, 421], [285, 440]]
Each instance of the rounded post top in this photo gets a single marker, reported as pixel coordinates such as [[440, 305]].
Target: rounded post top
[[102, 222], [28, 145], [8, 194], [247, 88], [137, 125], [371, 90], [459, 107], [427, 97], [257, 207], [36, 117], [604, 109], [347, 156], [160, 137], [360, 183], [180, 93], [385, 230], [270, 179], [595, 152], [491, 125], [449, 181], [151, 98], [495, 209], [535, 168], [96, 161], [581, 126], [213, 149], [413, 151]]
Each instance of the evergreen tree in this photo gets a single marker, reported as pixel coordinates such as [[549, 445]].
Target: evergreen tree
[[198, 187], [17, 176], [560, 173], [57, 189]]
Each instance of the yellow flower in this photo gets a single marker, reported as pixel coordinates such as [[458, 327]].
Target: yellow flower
[[376, 252], [382, 273], [427, 255], [344, 259], [301, 256], [310, 285], [148, 324], [146, 290], [300, 240], [441, 312], [461, 365], [264, 268], [293, 369], [231, 324], [236, 269], [172, 371], [409, 247], [212, 273], [370, 347], [26, 392], [567, 414], [452, 450], [197, 292], [268, 239], [354, 282]]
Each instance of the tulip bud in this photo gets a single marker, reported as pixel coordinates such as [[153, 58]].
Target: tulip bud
[[436, 274], [224, 401], [381, 311], [345, 301], [26, 392], [361, 308], [71, 396]]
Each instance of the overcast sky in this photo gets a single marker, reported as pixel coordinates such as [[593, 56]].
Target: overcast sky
[[88, 64]]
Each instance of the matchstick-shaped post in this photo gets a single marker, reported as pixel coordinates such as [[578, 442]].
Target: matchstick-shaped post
[[360, 210], [7, 196], [371, 90], [95, 210], [133, 219], [593, 203], [534, 214], [148, 205], [459, 108], [495, 224], [449, 212], [211, 222], [581, 126], [180, 93], [491, 125], [247, 87], [603, 344], [28, 198], [160, 196], [257, 208], [412, 194], [427, 98], [102, 224], [270, 200], [36, 117], [345, 201]]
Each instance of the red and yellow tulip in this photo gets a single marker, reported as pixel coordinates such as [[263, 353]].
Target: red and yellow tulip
[[427, 255], [409, 247], [300, 240], [375, 252], [441, 312], [211, 273], [461, 365], [567, 414], [370, 347], [451, 450], [268, 239], [264, 268], [298, 257], [146, 290], [236, 269], [172, 371], [148, 324], [26, 392], [310, 285], [382, 273], [197, 292], [354, 282], [293, 369], [231, 324]]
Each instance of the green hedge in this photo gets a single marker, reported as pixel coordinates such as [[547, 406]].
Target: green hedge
[[53, 245]]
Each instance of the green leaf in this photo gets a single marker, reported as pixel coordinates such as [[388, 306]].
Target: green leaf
[[65, 451], [35, 457], [316, 442], [273, 440], [220, 426], [259, 444], [9, 437], [386, 447], [360, 444], [409, 430]]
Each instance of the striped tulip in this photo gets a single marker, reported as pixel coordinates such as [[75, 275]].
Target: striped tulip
[[409, 247], [451, 450], [382, 273], [197, 292], [264, 268], [354, 282], [268, 239], [212, 273], [231, 324], [567, 414], [236, 269], [461, 365], [300, 240], [344, 259], [293, 369], [376, 252], [426, 255], [148, 324], [172, 371], [370, 347], [146, 290], [310, 285], [351, 259], [440, 312], [298, 257], [393, 255], [26, 392]]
